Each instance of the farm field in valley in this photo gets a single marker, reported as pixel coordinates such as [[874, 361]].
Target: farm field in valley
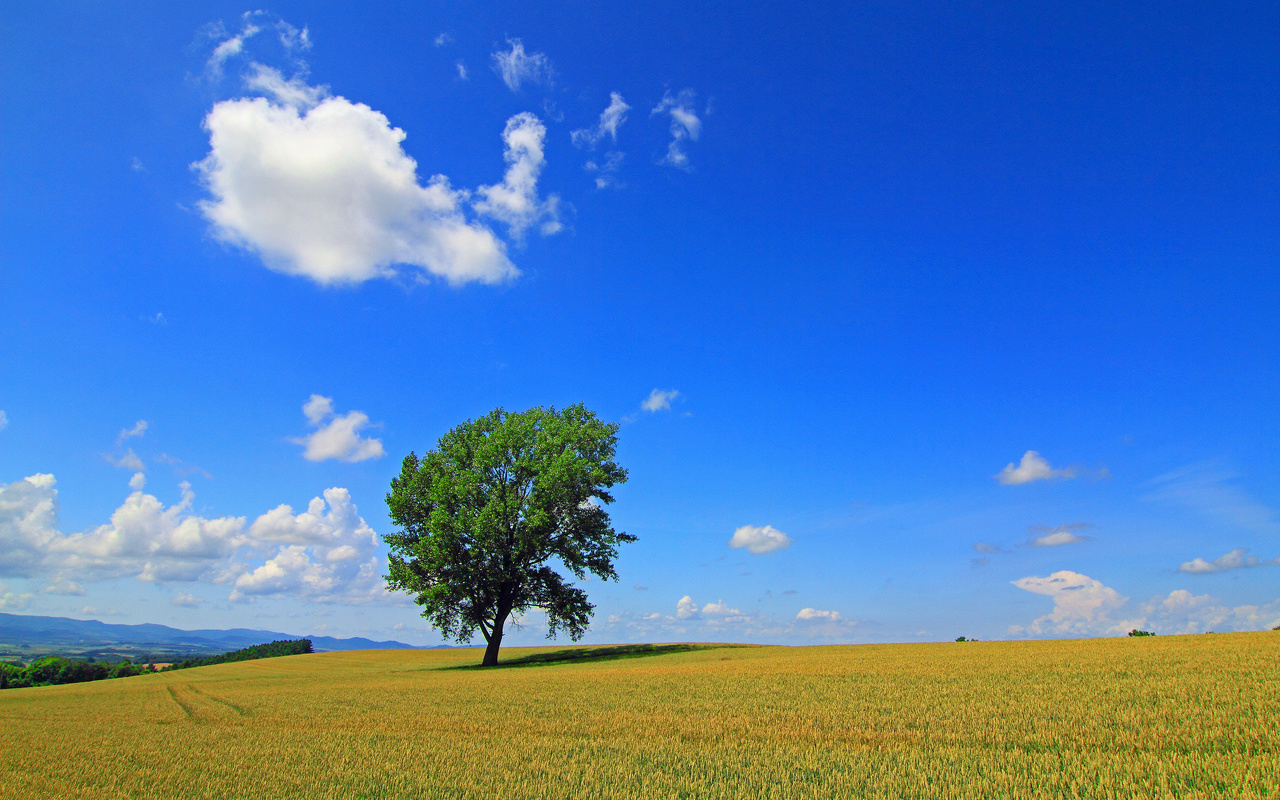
[[1182, 716]]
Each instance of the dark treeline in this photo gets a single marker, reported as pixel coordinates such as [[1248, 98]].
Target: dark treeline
[[54, 670], [283, 648]]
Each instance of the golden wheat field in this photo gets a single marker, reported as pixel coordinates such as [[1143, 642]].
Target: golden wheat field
[[1185, 716]]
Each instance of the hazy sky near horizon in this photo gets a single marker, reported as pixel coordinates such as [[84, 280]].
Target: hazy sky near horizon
[[918, 321]]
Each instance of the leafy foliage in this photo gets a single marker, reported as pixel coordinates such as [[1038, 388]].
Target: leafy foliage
[[1136, 632], [287, 647], [484, 513], [54, 670]]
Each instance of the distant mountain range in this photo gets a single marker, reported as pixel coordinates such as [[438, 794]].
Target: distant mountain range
[[77, 635]]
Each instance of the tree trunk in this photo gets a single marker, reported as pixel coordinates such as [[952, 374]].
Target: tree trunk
[[495, 641]]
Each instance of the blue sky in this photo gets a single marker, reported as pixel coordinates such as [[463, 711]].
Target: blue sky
[[918, 322]]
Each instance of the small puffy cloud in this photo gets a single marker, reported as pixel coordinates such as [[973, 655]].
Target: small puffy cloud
[[461, 68], [138, 482], [1055, 537], [659, 400], [319, 186], [185, 600], [139, 428], [4, 421], [1238, 558], [339, 437], [128, 461], [685, 126], [760, 540], [230, 46], [686, 608], [517, 67], [443, 39], [719, 609], [611, 119], [1033, 467], [817, 615], [65, 587], [1080, 604], [12, 601], [514, 202]]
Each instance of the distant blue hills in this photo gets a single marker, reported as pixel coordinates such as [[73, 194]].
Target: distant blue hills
[[88, 634]]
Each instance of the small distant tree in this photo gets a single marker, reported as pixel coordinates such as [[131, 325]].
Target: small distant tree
[[483, 514], [1136, 632]]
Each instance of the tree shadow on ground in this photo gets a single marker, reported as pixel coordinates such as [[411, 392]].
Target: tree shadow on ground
[[579, 655]]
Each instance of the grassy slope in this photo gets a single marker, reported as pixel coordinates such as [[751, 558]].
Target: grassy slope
[[1194, 716]]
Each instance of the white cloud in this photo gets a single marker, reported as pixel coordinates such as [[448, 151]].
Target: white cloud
[[685, 126], [606, 172], [443, 39], [1080, 604], [611, 119], [139, 429], [1236, 559], [659, 400], [686, 608], [515, 202], [813, 614], [719, 609], [319, 186], [185, 600], [518, 67], [759, 541], [138, 482], [1056, 537], [252, 23], [128, 461], [340, 438], [4, 421], [1184, 612], [65, 587], [12, 601], [324, 554], [986, 547], [462, 70], [1033, 467]]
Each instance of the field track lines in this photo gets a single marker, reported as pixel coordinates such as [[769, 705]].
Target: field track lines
[[244, 712], [186, 708], [201, 707]]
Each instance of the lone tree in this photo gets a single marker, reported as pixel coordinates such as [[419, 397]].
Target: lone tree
[[484, 513]]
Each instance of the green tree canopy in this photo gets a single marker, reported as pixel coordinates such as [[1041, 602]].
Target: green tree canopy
[[483, 514]]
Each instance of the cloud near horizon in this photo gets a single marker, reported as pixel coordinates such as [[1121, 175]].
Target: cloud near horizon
[[324, 554], [1238, 558]]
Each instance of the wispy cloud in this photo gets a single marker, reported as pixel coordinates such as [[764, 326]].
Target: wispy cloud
[[1056, 537], [139, 429], [611, 119], [659, 400], [1207, 488], [517, 67], [1238, 558], [685, 126]]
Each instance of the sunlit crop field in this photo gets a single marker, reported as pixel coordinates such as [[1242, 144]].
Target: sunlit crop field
[[1189, 716]]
